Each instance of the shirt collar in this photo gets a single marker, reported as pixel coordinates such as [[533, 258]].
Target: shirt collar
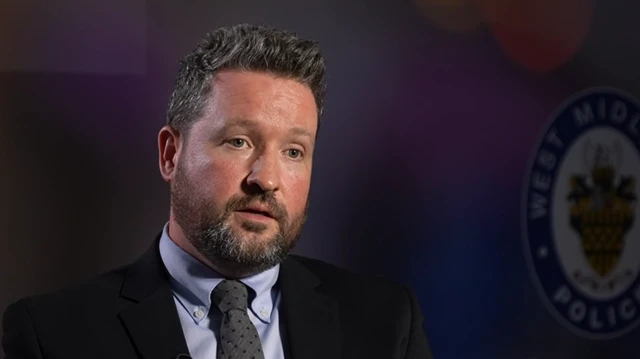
[[192, 281]]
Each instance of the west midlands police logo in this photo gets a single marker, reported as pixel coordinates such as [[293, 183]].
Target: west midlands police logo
[[581, 225]]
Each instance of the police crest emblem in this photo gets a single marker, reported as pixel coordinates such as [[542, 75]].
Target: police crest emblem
[[580, 221]]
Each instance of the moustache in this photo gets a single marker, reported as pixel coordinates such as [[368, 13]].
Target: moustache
[[265, 199]]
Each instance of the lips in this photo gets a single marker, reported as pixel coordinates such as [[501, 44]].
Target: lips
[[258, 210]]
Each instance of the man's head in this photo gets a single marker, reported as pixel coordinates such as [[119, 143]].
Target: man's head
[[238, 145]]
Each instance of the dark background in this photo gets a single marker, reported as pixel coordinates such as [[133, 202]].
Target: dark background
[[433, 110]]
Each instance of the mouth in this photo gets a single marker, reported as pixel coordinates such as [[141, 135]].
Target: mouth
[[256, 213]]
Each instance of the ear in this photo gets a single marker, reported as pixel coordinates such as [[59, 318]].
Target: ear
[[169, 146]]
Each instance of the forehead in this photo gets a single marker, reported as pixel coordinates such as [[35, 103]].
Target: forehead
[[266, 99]]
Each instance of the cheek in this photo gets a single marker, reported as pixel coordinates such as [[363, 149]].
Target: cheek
[[217, 180], [297, 193]]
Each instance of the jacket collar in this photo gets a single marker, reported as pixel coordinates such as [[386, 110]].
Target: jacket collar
[[309, 330], [310, 318], [151, 319]]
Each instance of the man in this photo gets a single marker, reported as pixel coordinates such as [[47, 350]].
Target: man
[[219, 282]]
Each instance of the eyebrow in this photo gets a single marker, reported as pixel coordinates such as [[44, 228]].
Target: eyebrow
[[244, 122], [239, 122], [302, 132]]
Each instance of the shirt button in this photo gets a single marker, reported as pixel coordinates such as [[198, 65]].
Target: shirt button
[[198, 313], [264, 312]]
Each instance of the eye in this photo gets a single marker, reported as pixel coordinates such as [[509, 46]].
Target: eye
[[294, 153], [237, 142]]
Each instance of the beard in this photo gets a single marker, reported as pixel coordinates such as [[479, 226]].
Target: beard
[[207, 227]]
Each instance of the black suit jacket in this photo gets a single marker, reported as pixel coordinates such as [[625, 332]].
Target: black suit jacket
[[128, 313]]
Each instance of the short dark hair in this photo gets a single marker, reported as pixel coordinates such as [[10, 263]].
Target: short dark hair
[[249, 48]]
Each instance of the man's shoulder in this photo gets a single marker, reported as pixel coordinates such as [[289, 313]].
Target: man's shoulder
[[93, 292], [337, 279]]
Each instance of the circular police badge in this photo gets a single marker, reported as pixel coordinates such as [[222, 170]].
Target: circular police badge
[[580, 219]]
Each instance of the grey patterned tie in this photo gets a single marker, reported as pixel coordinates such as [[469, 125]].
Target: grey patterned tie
[[238, 336]]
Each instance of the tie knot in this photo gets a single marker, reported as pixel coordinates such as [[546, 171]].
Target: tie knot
[[230, 294]]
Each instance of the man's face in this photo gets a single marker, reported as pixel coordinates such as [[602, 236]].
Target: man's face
[[243, 172]]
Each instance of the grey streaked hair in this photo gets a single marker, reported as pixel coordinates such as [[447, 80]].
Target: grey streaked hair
[[243, 47]]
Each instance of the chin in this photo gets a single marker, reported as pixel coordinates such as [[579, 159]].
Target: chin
[[255, 229], [256, 241]]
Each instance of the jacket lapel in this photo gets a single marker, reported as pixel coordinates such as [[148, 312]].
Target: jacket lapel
[[150, 316], [309, 317]]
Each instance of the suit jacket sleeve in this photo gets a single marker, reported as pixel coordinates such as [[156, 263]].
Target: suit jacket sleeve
[[417, 345], [19, 339]]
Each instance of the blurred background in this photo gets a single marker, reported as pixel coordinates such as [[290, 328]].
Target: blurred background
[[433, 111]]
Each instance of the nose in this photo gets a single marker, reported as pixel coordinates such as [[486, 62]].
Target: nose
[[265, 173]]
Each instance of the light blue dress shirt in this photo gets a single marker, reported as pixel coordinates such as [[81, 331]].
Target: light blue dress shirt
[[192, 282]]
